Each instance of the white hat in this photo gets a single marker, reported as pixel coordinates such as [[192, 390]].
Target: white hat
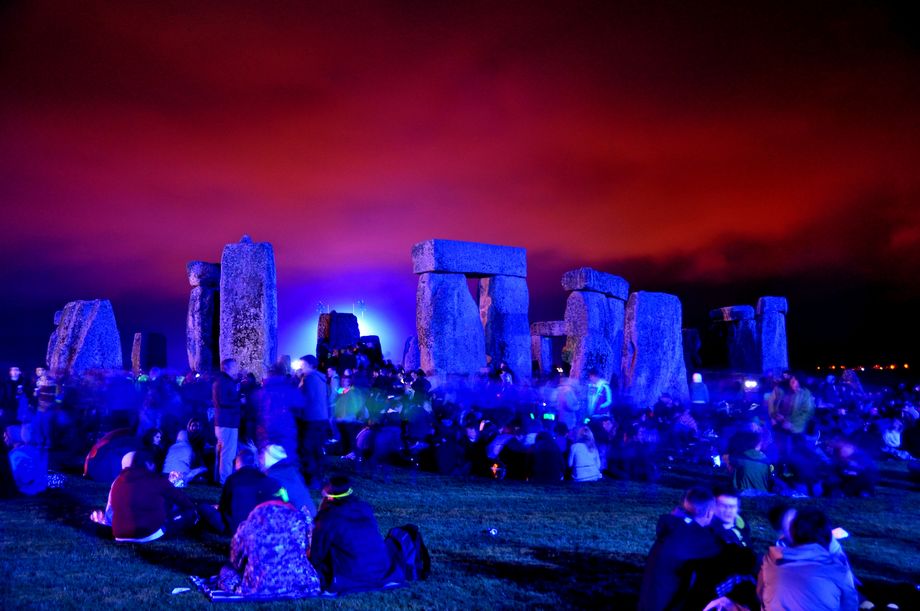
[[272, 454]]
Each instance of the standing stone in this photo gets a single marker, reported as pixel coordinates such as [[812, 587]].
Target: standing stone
[[771, 330], [503, 307], [614, 332], [249, 306], [52, 341], [692, 344], [541, 334], [739, 330], [203, 318], [87, 338], [541, 353], [148, 350], [372, 347], [653, 360], [449, 343], [411, 359], [336, 330], [588, 316], [450, 334], [594, 314]]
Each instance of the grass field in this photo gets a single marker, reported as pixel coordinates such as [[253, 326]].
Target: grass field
[[557, 547]]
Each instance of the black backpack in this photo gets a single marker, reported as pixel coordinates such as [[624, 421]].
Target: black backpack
[[406, 544]]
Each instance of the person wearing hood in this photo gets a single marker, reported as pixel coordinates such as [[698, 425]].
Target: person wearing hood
[[268, 554], [179, 459], [807, 576], [347, 549], [683, 548], [279, 466]]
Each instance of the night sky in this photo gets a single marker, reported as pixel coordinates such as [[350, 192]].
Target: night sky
[[714, 150]]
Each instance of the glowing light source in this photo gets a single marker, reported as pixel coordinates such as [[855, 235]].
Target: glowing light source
[[750, 385]]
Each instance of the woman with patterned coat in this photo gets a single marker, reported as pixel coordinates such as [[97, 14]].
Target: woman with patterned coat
[[268, 554]]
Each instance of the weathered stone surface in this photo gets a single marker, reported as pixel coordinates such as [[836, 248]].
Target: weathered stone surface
[[249, 305], [731, 313], [201, 273], [541, 352], [470, 258], [595, 324], [742, 346], [692, 344], [771, 333], [503, 306], [450, 334], [736, 327], [653, 360], [337, 330], [772, 304], [372, 347], [588, 279], [201, 329], [52, 341], [549, 328], [411, 357], [148, 350], [87, 338]]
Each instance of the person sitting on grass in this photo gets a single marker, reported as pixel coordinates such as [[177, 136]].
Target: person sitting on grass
[[727, 524], [807, 575], [268, 554], [347, 549], [179, 461], [547, 462], [584, 459], [683, 548], [751, 471], [145, 506], [286, 471], [246, 488], [27, 462]]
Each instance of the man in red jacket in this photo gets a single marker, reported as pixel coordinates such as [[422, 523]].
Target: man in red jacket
[[145, 506]]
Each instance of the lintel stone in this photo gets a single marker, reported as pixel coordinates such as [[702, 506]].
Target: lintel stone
[[589, 279], [732, 313], [469, 258], [549, 328]]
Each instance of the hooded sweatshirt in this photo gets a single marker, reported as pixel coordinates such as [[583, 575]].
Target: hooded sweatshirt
[[806, 578]]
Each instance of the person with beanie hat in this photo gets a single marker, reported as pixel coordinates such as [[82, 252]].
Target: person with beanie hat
[[279, 466], [347, 549]]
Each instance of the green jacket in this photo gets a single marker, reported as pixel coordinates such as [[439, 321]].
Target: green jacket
[[751, 471]]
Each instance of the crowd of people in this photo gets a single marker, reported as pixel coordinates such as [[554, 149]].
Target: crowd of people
[[772, 435], [703, 558], [266, 442]]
